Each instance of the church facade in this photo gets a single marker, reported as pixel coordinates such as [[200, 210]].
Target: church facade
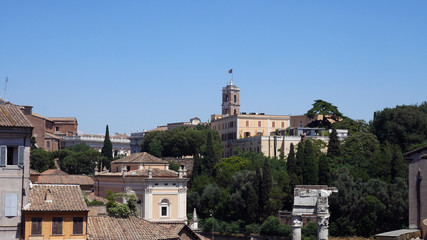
[[162, 192]]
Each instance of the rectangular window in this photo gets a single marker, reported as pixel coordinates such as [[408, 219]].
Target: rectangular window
[[57, 226], [47, 144], [273, 124], [11, 205], [57, 129], [283, 124], [36, 226], [10, 156], [259, 123], [247, 123], [164, 211], [77, 225]]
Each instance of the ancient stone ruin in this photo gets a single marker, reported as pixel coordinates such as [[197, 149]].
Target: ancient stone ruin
[[311, 200]]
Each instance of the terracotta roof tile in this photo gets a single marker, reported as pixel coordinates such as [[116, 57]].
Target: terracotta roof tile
[[54, 172], [66, 179], [142, 157], [50, 197], [144, 172], [132, 228], [12, 116], [34, 172]]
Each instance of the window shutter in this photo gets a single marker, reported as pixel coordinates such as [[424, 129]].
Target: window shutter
[[36, 226], [21, 151], [77, 225], [10, 205], [3, 155]]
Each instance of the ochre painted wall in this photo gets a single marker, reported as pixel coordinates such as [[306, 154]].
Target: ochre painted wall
[[67, 225]]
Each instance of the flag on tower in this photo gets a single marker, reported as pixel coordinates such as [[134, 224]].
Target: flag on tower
[[230, 71]]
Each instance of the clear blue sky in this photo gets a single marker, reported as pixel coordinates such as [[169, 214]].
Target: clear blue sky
[[139, 64]]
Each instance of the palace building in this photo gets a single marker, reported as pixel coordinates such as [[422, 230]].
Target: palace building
[[233, 124], [162, 192]]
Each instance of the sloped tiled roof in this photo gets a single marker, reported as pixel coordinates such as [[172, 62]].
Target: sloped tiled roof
[[54, 172], [61, 119], [65, 179], [51, 197], [132, 228], [50, 135], [141, 157], [34, 172], [177, 227], [144, 172], [12, 116]]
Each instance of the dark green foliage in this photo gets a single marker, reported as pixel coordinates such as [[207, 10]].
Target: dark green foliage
[[182, 141], [290, 163], [119, 210], [107, 149], [252, 228], [272, 227], [324, 171], [93, 202], [404, 125], [311, 169], [174, 166], [41, 160], [300, 162], [211, 157], [78, 159], [329, 112], [265, 188], [364, 144], [334, 145], [351, 125], [309, 231]]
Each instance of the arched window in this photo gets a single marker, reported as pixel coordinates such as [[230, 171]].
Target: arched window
[[164, 207]]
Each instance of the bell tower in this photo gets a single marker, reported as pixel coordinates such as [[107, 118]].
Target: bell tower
[[230, 100]]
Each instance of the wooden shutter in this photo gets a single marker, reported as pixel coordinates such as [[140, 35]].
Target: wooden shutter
[[3, 155], [77, 225], [36, 226], [21, 151], [10, 205], [57, 225]]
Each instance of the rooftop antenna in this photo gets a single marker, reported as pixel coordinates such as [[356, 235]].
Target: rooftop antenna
[[5, 88]]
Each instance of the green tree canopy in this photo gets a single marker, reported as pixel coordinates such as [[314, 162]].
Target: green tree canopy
[[404, 125], [78, 159], [327, 110], [41, 160]]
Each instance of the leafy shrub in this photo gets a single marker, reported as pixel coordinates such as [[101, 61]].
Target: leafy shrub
[[272, 227]]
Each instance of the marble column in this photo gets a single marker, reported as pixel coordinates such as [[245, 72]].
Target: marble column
[[296, 227]]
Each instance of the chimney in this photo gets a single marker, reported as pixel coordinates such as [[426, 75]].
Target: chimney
[[150, 173], [180, 172], [48, 196], [184, 171]]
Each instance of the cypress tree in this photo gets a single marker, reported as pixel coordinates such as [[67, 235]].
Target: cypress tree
[[266, 185], [257, 187], [324, 171], [334, 145], [299, 162], [311, 170], [290, 163], [107, 149], [210, 158]]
